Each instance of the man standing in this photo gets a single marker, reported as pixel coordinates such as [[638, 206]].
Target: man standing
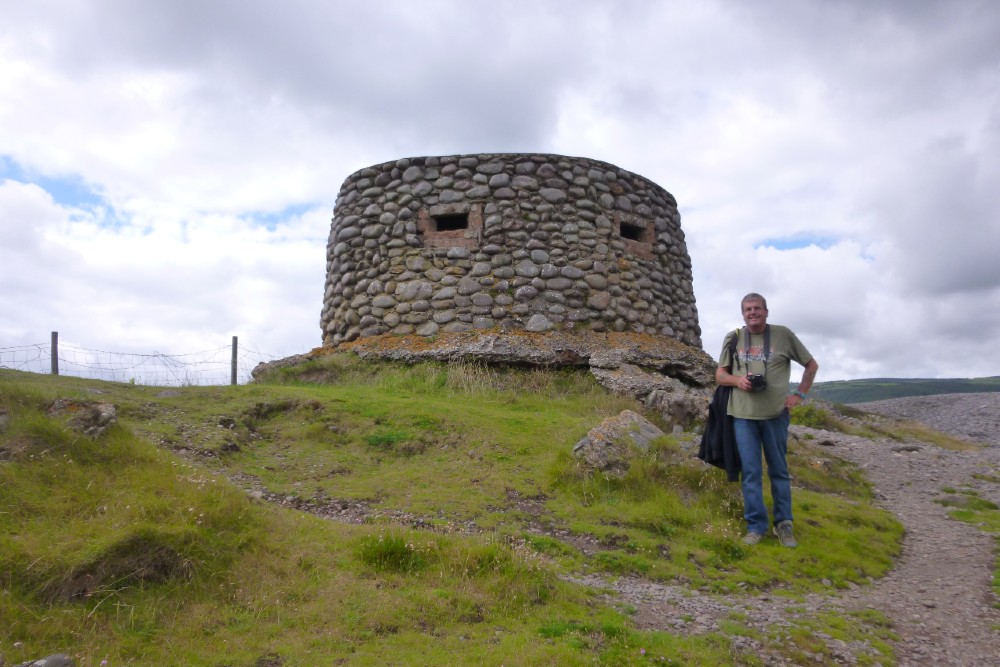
[[759, 406]]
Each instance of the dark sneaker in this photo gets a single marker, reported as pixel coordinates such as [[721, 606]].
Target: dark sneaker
[[752, 538], [784, 532]]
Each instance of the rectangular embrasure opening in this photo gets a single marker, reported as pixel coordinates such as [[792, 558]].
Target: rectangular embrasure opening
[[632, 232], [451, 222]]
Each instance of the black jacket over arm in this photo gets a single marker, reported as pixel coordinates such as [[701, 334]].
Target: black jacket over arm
[[718, 443]]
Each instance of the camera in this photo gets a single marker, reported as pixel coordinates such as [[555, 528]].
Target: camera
[[757, 382]]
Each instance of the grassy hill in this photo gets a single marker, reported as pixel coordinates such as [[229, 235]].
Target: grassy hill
[[878, 389], [385, 514]]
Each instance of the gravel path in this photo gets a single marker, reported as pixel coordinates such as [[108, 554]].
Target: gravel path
[[939, 597]]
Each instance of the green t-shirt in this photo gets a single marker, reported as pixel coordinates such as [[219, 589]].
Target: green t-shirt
[[785, 348]]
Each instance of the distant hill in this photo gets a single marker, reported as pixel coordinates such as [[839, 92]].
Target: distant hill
[[878, 389]]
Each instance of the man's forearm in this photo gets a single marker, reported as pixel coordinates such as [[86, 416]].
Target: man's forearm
[[722, 377], [805, 384]]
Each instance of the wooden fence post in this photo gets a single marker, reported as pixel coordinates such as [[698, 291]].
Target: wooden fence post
[[233, 373], [54, 353]]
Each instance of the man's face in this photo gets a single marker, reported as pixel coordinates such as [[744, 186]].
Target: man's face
[[755, 315]]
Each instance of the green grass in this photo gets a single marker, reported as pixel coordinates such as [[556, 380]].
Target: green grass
[[814, 417], [852, 421], [802, 642], [138, 548]]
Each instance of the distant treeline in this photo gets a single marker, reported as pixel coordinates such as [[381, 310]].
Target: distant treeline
[[878, 389]]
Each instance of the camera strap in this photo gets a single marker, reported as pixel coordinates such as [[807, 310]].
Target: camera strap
[[767, 347]]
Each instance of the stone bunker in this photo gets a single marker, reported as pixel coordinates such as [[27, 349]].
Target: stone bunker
[[497, 243]]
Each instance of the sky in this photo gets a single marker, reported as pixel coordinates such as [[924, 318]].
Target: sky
[[168, 170]]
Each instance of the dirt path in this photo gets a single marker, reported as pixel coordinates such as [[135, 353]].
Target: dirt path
[[939, 597], [940, 594]]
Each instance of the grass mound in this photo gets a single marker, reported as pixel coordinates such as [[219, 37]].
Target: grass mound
[[146, 555], [136, 546], [86, 517]]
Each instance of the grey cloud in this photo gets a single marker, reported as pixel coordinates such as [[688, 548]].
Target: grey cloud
[[448, 73], [884, 58], [940, 211]]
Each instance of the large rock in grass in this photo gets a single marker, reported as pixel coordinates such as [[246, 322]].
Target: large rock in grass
[[608, 447], [88, 417], [681, 406]]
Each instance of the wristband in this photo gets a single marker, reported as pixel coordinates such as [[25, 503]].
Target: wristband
[[800, 395]]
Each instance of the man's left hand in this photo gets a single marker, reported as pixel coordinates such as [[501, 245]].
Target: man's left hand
[[792, 400]]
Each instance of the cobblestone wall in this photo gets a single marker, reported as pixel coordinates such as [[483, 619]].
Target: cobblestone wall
[[505, 241]]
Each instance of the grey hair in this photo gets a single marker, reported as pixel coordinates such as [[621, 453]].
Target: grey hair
[[753, 296]]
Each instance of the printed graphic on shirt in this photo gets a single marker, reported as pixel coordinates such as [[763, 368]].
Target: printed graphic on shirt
[[756, 353]]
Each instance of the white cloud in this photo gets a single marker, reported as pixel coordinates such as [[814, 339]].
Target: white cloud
[[213, 139], [184, 286]]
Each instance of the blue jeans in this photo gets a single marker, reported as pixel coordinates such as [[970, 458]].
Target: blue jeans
[[771, 436]]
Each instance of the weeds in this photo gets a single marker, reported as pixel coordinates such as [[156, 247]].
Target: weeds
[[852, 421], [391, 553], [811, 416], [386, 438]]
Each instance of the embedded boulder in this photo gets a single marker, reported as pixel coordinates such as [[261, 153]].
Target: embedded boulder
[[87, 417], [608, 447], [683, 408]]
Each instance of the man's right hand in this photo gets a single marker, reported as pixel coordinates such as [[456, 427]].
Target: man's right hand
[[725, 378]]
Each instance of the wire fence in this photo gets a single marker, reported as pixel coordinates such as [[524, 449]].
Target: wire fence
[[207, 367]]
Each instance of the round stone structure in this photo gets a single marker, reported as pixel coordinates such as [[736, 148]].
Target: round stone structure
[[511, 241]]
